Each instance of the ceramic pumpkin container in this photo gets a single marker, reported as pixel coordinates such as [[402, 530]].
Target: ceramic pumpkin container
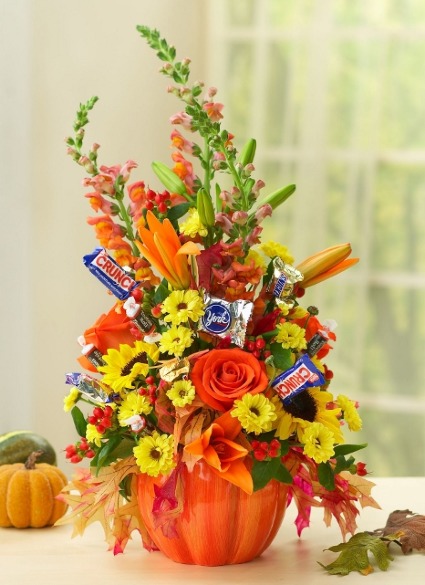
[[27, 494], [219, 523]]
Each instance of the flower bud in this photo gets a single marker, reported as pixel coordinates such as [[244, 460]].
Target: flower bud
[[169, 179]]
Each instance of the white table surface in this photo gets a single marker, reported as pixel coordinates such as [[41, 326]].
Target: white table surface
[[50, 556]]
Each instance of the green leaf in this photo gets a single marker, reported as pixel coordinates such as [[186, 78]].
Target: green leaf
[[264, 471], [346, 449], [326, 476], [281, 356], [105, 455], [177, 211], [342, 463], [79, 421], [354, 555], [161, 292]]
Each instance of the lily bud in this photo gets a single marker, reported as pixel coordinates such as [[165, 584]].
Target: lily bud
[[205, 208], [248, 152], [170, 180], [325, 264], [278, 197]]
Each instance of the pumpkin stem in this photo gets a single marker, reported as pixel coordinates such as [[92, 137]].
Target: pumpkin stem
[[32, 458]]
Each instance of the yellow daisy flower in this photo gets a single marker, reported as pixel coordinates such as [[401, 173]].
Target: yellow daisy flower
[[291, 336], [318, 442], [154, 454], [132, 405], [182, 305], [176, 340], [349, 412], [181, 393], [123, 366], [70, 400], [193, 226], [255, 413], [307, 407], [272, 249], [93, 435]]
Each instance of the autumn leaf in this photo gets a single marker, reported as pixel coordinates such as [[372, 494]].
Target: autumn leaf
[[99, 499], [412, 527], [355, 555]]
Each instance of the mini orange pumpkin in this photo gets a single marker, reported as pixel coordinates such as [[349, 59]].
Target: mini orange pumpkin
[[27, 494]]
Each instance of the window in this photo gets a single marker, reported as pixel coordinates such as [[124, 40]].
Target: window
[[334, 92]]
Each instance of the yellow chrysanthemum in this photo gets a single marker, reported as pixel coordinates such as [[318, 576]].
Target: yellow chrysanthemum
[[291, 336], [255, 413], [132, 405], [349, 412], [93, 435], [318, 442], [176, 340], [182, 305], [193, 226], [123, 366], [181, 393], [70, 400], [307, 407], [154, 454], [272, 249]]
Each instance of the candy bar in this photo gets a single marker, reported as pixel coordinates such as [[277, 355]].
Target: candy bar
[[111, 274], [138, 317], [284, 278], [302, 375], [225, 319], [90, 387]]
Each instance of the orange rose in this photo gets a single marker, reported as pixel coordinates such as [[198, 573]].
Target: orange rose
[[223, 375]]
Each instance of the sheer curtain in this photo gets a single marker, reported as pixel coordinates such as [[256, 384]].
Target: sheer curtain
[[334, 93]]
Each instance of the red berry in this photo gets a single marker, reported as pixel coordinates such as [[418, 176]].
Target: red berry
[[100, 429], [266, 353], [142, 392], [137, 294], [90, 454], [260, 343], [256, 353], [150, 195], [76, 459], [162, 207], [259, 454], [255, 444], [149, 205], [150, 380], [250, 345], [108, 412], [98, 412], [106, 422], [92, 420]]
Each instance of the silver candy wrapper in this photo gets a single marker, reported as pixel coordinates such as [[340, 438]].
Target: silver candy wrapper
[[226, 319], [282, 284], [90, 387]]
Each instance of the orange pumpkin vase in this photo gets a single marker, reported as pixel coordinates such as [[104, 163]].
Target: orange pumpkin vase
[[219, 523]]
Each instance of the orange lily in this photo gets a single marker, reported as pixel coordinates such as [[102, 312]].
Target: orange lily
[[218, 449], [325, 264], [161, 246]]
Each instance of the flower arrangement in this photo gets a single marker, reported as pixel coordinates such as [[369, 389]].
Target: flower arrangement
[[206, 353]]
